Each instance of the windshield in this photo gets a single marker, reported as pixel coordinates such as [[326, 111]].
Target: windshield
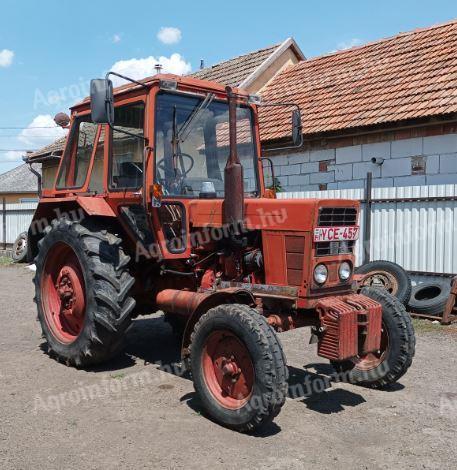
[[192, 145]]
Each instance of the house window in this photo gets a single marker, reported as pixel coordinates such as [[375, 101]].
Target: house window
[[24, 200], [127, 147]]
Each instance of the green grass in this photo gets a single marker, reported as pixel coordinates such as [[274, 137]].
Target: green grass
[[5, 261], [427, 326], [118, 376]]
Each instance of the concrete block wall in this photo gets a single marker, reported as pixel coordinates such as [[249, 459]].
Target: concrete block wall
[[347, 167]]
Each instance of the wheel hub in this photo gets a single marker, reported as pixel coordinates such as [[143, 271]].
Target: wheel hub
[[381, 279], [228, 369], [63, 296]]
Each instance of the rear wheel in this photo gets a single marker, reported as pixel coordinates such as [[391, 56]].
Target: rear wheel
[[238, 367], [82, 292], [392, 360]]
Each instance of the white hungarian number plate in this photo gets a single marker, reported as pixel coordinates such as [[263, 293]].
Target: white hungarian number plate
[[334, 234]]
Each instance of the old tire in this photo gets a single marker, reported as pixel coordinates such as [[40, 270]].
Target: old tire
[[398, 344], [430, 298], [386, 275], [82, 292], [20, 248], [238, 367]]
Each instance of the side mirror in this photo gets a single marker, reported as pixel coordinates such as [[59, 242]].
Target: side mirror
[[297, 135], [102, 101]]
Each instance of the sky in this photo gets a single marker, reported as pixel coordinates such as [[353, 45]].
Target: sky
[[49, 50]]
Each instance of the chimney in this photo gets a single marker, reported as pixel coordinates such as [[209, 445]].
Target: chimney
[[202, 64], [158, 68]]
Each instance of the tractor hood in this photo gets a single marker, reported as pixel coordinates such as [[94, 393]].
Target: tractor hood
[[271, 214]]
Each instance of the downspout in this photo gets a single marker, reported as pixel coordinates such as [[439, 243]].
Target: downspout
[[38, 175], [233, 212]]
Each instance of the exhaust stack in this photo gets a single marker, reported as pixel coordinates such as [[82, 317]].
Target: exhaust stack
[[233, 174]]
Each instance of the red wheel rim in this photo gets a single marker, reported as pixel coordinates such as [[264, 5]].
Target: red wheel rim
[[227, 369], [62, 293], [372, 360]]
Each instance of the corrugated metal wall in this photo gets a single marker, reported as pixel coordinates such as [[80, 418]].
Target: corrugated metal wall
[[18, 218], [418, 235]]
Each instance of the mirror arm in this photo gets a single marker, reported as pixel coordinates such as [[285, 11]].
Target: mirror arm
[[126, 78], [292, 105]]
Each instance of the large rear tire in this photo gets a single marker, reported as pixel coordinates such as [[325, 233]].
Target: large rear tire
[[238, 367], [398, 342], [82, 292]]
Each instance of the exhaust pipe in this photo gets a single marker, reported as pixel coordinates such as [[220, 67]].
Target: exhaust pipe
[[233, 212]]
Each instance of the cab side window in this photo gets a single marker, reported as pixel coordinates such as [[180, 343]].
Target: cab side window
[[78, 153], [127, 147]]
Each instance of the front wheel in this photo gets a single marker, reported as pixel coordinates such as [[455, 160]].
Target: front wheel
[[238, 367], [395, 356]]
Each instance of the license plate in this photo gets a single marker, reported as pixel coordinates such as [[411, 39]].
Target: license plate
[[334, 234]]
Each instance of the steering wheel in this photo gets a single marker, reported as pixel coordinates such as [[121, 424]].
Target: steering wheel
[[181, 156]]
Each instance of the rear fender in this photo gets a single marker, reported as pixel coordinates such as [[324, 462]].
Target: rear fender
[[73, 208]]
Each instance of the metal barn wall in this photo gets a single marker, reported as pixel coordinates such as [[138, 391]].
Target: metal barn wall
[[418, 235], [18, 218]]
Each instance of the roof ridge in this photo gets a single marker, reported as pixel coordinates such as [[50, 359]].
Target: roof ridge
[[275, 46], [380, 41]]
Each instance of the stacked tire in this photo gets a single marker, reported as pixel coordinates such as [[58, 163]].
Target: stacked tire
[[388, 276], [426, 298], [430, 298]]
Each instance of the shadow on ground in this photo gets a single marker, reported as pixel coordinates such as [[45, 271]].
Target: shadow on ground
[[152, 341]]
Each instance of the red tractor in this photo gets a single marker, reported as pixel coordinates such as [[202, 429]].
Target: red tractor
[[159, 203]]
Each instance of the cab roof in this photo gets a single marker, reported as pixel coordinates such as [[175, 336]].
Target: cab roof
[[184, 82]]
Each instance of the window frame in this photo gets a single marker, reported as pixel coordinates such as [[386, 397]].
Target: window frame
[[218, 100], [126, 189], [71, 149]]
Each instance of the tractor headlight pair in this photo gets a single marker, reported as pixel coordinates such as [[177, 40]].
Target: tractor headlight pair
[[321, 272]]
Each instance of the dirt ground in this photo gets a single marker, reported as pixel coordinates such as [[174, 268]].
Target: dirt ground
[[131, 414]]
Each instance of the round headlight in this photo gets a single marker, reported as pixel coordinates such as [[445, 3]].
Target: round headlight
[[345, 271], [320, 273]]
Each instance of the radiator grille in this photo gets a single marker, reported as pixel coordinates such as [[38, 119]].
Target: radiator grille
[[335, 248], [337, 216]]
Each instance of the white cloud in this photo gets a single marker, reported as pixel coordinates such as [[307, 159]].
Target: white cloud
[[6, 58], [13, 155], [169, 35], [348, 44], [116, 38], [41, 131], [141, 68]]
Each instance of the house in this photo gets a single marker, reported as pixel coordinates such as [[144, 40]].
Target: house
[[253, 71], [19, 185], [388, 107]]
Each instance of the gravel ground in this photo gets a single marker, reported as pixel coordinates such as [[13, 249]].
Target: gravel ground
[[131, 414]]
